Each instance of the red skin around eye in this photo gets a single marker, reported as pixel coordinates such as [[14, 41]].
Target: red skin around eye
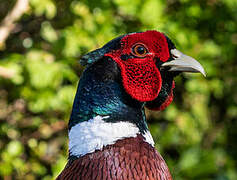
[[141, 79], [140, 76]]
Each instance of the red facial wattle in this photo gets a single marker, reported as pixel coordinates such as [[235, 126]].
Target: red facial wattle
[[141, 79], [140, 75]]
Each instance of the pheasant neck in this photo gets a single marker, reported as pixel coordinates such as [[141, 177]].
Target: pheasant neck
[[103, 112]]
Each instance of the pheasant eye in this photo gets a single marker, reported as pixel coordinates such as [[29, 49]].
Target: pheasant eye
[[139, 50]]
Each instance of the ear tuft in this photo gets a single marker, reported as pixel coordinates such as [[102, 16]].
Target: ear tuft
[[92, 57], [97, 54]]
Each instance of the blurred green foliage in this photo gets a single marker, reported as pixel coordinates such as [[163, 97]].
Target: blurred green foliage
[[196, 134]]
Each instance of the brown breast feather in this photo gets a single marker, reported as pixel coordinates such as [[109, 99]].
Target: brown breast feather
[[127, 159]]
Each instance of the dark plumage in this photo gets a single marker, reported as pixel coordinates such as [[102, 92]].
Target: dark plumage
[[108, 134]]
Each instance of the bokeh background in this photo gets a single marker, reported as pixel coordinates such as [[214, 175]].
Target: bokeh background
[[39, 72]]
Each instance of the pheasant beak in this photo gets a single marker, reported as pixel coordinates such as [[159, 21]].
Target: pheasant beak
[[183, 63]]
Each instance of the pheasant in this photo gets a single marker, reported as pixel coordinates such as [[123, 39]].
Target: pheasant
[[108, 134]]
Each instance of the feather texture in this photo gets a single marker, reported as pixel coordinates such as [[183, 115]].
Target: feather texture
[[127, 159]]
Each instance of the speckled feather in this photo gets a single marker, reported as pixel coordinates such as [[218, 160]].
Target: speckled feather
[[127, 159]]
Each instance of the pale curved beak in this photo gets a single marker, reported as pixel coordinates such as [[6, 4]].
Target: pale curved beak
[[183, 63]]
